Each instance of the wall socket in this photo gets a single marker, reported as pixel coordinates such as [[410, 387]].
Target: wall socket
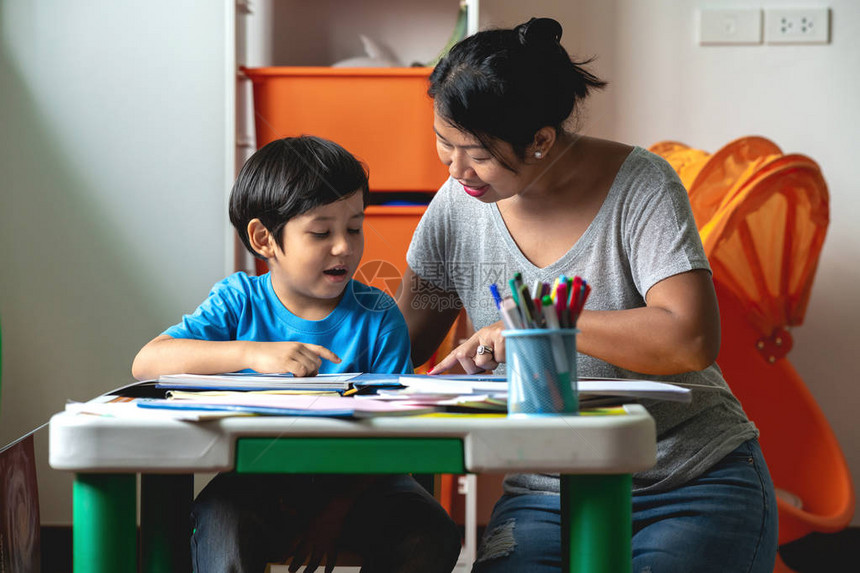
[[729, 26], [797, 25]]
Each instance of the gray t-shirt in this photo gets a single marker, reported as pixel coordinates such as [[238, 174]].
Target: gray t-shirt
[[643, 233]]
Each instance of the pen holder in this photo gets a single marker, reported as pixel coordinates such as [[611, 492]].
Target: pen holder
[[541, 365]]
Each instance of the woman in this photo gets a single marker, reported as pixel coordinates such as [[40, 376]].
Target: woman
[[527, 195]]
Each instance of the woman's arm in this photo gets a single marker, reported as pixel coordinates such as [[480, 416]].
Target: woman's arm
[[429, 313], [678, 331], [167, 355]]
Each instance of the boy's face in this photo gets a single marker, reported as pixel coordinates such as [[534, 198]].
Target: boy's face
[[321, 251]]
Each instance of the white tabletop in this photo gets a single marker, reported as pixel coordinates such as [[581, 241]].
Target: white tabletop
[[582, 444]]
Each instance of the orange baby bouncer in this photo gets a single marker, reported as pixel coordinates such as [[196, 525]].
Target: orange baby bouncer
[[762, 216]]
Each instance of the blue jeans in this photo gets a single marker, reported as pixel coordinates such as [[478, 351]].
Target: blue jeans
[[723, 521], [241, 522]]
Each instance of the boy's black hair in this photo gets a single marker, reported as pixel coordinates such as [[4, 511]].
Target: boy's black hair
[[507, 84], [288, 177]]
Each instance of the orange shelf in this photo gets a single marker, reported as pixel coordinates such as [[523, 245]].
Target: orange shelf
[[381, 115]]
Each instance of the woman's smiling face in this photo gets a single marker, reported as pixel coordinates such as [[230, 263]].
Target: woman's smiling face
[[469, 162]]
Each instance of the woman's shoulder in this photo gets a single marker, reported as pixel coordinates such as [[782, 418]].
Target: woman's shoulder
[[644, 166], [609, 156], [632, 173]]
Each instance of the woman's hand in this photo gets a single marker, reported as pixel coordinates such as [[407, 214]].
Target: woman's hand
[[484, 351]]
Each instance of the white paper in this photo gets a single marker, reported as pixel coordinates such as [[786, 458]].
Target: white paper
[[461, 385]]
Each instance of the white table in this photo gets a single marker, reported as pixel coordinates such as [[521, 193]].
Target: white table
[[596, 455]]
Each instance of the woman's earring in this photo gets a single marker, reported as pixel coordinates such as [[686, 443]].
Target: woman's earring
[[538, 154]]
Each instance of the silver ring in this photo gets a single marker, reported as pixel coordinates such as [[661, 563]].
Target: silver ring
[[483, 349]]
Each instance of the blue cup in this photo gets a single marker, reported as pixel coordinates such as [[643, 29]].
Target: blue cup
[[541, 365]]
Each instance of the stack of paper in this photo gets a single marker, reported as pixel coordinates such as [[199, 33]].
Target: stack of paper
[[320, 395], [254, 381], [287, 405], [590, 390], [594, 388]]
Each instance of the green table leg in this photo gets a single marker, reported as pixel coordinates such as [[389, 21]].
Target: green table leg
[[596, 535], [104, 523], [165, 529]]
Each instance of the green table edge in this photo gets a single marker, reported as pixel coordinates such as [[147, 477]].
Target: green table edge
[[350, 455]]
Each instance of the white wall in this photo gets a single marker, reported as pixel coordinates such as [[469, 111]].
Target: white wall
[[112, 195]]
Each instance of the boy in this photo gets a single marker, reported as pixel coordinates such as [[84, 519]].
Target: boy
[[298, 203]]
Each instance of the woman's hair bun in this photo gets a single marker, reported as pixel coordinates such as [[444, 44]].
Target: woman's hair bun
[[539, 32], [508, 83]]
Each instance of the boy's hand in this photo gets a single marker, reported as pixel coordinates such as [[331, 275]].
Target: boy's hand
[[296, 358]]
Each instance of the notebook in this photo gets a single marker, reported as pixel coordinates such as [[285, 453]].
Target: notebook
[[255, 381]]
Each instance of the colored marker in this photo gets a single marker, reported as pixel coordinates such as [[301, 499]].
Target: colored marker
[[518, 280], [527, 307], [515, 291], [538, 304], [536, 289], [510, 314], [561, 303], [559, 356], [574, 291], [580, 303]]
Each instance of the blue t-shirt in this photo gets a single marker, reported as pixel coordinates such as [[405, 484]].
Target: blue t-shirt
[[366, 329]]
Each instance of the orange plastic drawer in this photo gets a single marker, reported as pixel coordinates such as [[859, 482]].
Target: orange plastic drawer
[[382, 115], [387, 234]]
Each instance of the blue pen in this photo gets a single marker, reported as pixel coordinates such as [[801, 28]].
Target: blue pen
[[494, 290]]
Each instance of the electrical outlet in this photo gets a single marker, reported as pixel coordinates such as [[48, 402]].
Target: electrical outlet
[[797, 25], [727, 26]]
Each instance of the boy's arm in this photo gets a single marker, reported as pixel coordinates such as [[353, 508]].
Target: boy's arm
[[167, 355]]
